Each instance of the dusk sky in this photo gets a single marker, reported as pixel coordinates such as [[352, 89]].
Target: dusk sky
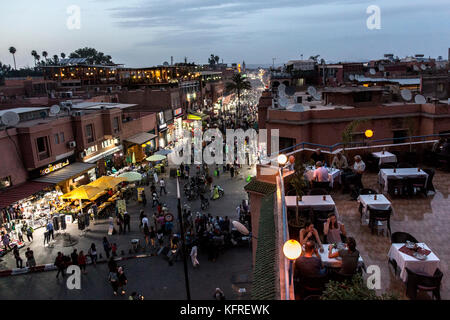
[[145, 33]]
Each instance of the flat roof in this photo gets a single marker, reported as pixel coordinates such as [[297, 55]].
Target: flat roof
[[403, 81], [23, 110], [351, 89], [101, 105]]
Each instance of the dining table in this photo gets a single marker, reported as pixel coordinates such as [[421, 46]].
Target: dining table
[[314, 202], [400, 173], [405, 260], [375, 201], [334, 262], [385, 157]]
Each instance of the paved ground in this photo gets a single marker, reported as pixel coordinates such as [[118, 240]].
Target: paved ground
[[236, 263]]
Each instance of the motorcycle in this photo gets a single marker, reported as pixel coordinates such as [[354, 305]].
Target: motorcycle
[[217, 192]]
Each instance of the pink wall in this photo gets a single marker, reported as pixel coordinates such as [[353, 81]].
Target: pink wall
[[11, 163]]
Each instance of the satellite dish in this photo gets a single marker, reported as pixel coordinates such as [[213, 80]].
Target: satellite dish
[[317, 96], [420, 99], [281, 90], [240, 227], [290, 91], [416, 68], [10, 119], [283, 102], [54, 110], [406, 94], [423, 67], [381, 67], [372, 71], [351, 77], [312, 91]]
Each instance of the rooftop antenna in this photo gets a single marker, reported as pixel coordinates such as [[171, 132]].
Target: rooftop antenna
[[420, 99], [10, 118], [406, 94]]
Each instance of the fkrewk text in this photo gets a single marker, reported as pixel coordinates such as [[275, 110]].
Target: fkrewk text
[[192, 310], [246, 309]]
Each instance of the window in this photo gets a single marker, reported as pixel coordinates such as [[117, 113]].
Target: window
[[116, 124], [42, 148], [364, 96], [56, 139], [61, 137], [5, 182], [90, 133]]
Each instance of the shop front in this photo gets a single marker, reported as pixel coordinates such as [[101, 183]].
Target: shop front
[[178, 123], [140, 146], [107, 156], [162, 130]]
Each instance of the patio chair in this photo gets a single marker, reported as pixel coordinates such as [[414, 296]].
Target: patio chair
[[321, 185], [417, 281], [396, 186], [386, 166], [430, 186], [378, 215], [367, 191], [317, 192], [402, 237], [414, 184], [306, 286], [371, 162]]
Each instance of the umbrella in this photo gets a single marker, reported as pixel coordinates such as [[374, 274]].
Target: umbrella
[[133, 158], [131, 176], [156, 157], [82, 193], [240, 227], [163, 152], [106, 182]]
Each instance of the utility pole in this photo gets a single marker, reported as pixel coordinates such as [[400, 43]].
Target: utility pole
[[183, 240]]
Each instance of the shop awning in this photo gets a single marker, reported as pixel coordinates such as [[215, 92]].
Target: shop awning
[[21, 192], [196, 116], [141, 138], [97, 157], [71, 171]]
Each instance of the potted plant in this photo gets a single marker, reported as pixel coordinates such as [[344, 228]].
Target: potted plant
[[299, 183]]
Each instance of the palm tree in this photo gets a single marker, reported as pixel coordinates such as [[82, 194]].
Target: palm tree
[[238, 85], [34, 54], [45, 54], [13, 50], [38, 58], [55, 59], [63, 55]]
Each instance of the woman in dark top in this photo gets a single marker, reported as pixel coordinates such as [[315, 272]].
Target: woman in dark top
[[349, 257], [122, 280]]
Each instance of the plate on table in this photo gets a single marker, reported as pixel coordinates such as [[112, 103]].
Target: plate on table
[[420, 256], [410, 245]]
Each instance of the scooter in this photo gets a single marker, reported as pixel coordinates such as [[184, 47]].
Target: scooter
[[220, 192]]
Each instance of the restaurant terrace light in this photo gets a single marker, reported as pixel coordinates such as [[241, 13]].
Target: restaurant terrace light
[[292, 249], [368, 133], [282, 159]]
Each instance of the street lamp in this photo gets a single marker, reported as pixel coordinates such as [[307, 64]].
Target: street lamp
[[368, 133], [282, 159], [292, 250]]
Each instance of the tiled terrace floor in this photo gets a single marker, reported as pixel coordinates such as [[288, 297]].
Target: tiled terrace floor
[[426, 218]]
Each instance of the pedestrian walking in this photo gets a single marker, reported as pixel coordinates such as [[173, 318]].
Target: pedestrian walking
[[59, 264], [141, 216], [144, 199], [92, 252], [50, 230], [155, 199], [29, 233], [162, 186], [112, 265], [146, 233], [126, 221], [114, 281], [114, 250], [122, 278], [119, 221], [19, 231], [152, 236], [232, 171], [82, 261], [31, 262], [193, 255], [5, 240], [160, 236], [107, 247], [218, 294], [19, 262], [74, 257]]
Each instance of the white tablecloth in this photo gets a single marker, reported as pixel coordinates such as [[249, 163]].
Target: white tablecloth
[[334, 262], [403, 260], [333, 175], [382, 203], [400, 173], [387, 157], [314, 202]]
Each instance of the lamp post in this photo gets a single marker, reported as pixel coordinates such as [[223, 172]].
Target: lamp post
[[183, 240], [282, 159], [292, 250]]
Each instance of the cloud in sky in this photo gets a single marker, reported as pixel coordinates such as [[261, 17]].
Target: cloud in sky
[[138, 32]]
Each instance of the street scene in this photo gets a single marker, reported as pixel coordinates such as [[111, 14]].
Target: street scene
[[205, 151]]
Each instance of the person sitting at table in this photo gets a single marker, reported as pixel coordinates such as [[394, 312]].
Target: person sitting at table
[[355, 176], [318, 156], [339, 161], [309, 233], [321, 173], [310, 263], [333, 230], [350, 257]]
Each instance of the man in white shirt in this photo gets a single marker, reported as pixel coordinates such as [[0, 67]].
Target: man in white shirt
[[339, 161], [321, 173], [145, 221], [162, 186], [355, 176]]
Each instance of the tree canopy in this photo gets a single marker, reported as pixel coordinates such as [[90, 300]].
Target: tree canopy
[[93, 56]]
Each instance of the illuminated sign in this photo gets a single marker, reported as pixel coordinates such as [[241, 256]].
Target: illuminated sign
[[79, 178], [178, 112], [53, 167]]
